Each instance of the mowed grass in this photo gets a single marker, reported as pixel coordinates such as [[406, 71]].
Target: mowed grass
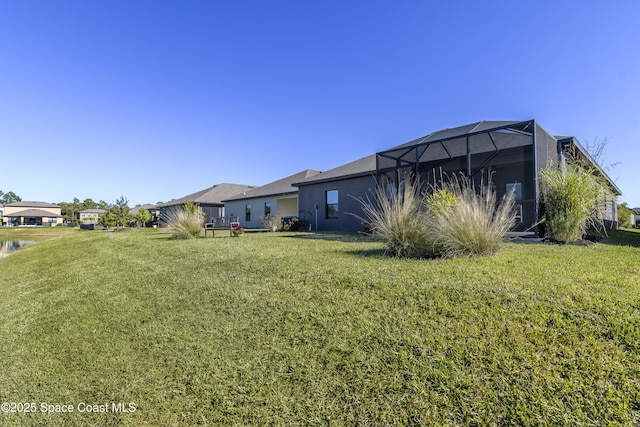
[[304, 329]]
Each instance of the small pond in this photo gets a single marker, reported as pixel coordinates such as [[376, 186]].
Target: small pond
[[9, 246]]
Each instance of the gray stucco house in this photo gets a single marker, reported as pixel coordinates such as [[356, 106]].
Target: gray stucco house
[[276, 198], [327, 200], [512, 152], [209, 201]]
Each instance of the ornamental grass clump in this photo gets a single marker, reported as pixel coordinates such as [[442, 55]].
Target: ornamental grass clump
[[472, 224], [447, 222], [184, 222], [572, 198], [400, 219]]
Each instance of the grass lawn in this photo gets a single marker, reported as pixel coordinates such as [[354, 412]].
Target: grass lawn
[[304, 329]]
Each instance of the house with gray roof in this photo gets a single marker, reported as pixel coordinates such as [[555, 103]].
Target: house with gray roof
[[32, 213], [328, 200], [90, 216], [276, 198], [511, 153], [209, 201]]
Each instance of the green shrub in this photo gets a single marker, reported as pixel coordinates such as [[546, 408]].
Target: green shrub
[[572, 198], [440, 201]]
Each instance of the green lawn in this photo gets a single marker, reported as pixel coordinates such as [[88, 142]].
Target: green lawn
[[304, 329]]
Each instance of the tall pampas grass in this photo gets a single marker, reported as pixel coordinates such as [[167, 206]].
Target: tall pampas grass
[[476, 224], [447, 222], [184, 222]]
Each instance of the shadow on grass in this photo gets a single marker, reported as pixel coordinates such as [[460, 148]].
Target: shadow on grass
[[345, 236], [623, 238], [341, 236]]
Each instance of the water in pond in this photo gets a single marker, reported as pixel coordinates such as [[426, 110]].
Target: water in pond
[[7, 247]]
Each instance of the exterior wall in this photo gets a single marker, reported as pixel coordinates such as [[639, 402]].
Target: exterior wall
[[610, 213], [211, 211], [86, 217], [311, 195], [283, 206], [39, 220], [287, 206], [8, 210]]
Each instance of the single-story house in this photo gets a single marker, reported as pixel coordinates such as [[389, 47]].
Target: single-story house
[[328, 200], [90, 216], [32, 213], [511, 152], [209, 201], [276, 198], [152, 209]]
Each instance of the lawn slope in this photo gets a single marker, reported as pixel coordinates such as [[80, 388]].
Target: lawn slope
[[303, 329]]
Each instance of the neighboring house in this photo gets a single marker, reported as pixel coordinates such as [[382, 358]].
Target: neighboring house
[[2, 222], [513, 153], [636, 217], [90, 216], [276, 198], [32, 213], [209, 200], [153, 210], [328, 200]]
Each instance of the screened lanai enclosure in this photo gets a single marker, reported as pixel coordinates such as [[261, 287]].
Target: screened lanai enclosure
[[503, 155]]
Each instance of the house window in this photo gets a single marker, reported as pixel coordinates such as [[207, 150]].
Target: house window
[[247, 212], [515, 189], [332, 204], [267, 208]]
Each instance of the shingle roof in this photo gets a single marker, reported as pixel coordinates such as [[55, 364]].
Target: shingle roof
[[212, 195], [147, 206], [33, 213], [93, 211], [280, 187], [27, 204], [362, 167]]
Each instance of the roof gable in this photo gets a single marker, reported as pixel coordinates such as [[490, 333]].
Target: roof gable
[[31, 204], [33, 213], [279, 187], [212, 195], [361, 167]]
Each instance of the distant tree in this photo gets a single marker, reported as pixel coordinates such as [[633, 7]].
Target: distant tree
[[108, 219], [143, 216], [121, 211], [9, 197], [103, 205], [625, 215], [70, 210], [89, 204]]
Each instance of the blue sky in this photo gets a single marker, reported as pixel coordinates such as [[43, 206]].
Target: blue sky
[[154, 100]]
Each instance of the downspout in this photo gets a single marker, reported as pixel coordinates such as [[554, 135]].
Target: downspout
[[468, 161], [417, 169], [536, 189]]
